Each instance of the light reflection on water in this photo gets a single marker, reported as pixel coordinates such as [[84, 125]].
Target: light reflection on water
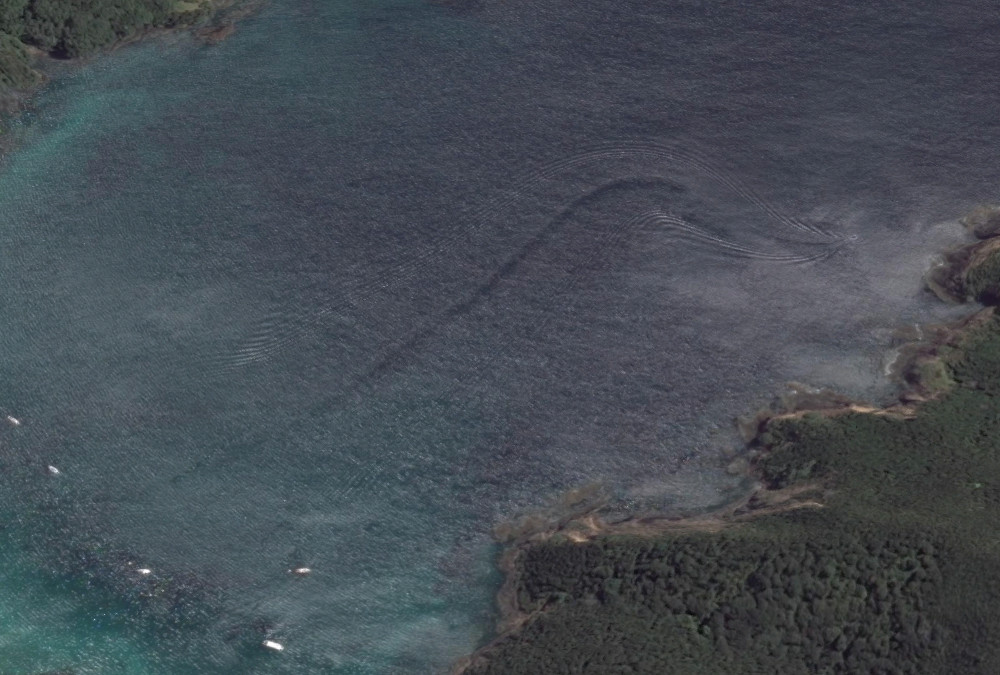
[[353, 306]]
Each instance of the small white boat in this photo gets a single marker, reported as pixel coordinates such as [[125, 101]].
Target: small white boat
[[52, 470], [275, 646], [301, 571], [13, 420]]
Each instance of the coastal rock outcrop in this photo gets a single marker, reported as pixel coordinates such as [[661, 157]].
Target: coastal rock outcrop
[[867, 545]]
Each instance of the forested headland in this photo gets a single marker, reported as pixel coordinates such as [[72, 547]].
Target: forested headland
[[871, 546], [66, 29]]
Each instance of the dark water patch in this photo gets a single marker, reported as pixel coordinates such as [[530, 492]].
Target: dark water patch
[[597, 253], [389, 196], [280, 330], [60, 533]]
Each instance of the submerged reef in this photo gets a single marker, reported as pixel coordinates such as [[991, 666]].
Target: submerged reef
[[870, 543]]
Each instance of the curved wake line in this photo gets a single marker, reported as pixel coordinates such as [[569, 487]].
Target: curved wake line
[[276, 336], [626, 149], [697, 235], [573, 276]]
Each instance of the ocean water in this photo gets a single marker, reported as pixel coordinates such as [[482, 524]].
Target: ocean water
[[366, 279]]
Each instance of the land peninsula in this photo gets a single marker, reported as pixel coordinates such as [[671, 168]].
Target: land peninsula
[[32, 31], [870, 544]]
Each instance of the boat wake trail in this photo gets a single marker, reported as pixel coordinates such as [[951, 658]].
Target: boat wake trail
[[281, 330], [685, 232]]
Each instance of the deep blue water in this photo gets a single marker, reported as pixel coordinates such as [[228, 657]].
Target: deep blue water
[[366, 279]]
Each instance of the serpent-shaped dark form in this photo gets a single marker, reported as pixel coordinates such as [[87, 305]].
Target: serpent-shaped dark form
[[280, 330]]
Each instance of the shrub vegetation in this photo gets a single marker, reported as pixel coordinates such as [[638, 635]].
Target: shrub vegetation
[[73, 28], [897, 572]]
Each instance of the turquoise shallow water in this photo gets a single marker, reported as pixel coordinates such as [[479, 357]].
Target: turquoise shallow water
[[363, 280], [220, 479]]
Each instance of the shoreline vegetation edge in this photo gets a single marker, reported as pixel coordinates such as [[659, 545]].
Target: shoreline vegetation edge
[[788, 495], [30, 42], [923, 372]]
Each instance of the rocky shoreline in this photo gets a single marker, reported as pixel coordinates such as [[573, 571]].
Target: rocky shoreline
[[211, 22], [921, 370]]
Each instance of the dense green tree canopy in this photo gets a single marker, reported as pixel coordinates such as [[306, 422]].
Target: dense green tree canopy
[[897, 572], [73, 28]]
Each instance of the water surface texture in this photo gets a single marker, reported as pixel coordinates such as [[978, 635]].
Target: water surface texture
[[367, 278]]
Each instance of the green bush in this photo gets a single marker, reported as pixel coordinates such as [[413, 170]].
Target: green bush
[[15, 64], [12, 16], [73, 28], [898, 572], [982, 281], [736, 602]]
